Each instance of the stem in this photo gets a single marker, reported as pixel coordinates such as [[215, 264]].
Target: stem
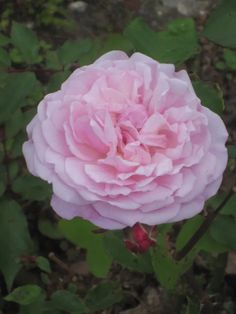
[[59, 262], [202, 229]]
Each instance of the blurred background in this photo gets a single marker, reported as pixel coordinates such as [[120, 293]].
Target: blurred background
[[46, 265]]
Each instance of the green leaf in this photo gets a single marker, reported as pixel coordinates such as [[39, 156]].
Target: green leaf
[[15, 123], [206, 243], [43, 264], [14, 145], [114, 244], [210, 97], [220, 65], [31, 188], [175, 45], [223, 231], [80, 232], [64, 300], [5, 61], [167, 270], [14, 91], [49, 229], [15, 56], [52, 61], [103, 296], [3, 178], [26, 41], [2, 187], [56, 80], [14, 239], [70, 51], [229, 208], [38, 306], [13, 169], [220, 27], [187, 230], [92, 54], [4, 40], [232, 151], [230, 59], [3, 78], [24, 295], [115, 42]]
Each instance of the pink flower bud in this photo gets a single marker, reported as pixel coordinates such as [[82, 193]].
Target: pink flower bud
[[141, 239]]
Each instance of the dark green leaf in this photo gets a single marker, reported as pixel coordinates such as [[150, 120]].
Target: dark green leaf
[[14, 91], [223, 231], [221, 25], [80, 232], [5, 61], [64, 300], [53, 61], [49, 229], [43, 264], [2, 187], [229, 208], [206, 243], [3, 178], [115, 42], [175, 45], [220, 65], [210, 97], [103, 296], [13, 169], [15, 123], [230, 59], [14, 145], [114, 244], [26, 41], [187, 230], [92, 54], [38, 306], [167, 270], [31, 188], [24, 295], [232, 151], [71, 51], [56, 80], [14, 239], [15, 56], [4, 40]]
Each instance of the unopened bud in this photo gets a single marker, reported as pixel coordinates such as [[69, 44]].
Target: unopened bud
[[141, 238]]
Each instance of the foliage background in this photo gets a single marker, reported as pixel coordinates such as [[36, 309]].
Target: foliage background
[[55, 266]]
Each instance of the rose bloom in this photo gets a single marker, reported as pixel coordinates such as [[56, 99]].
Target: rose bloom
[[127, 140]]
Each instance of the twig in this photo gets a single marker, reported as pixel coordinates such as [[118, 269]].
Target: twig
[[202, 229], [59, 262]]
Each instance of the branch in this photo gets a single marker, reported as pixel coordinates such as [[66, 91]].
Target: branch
[[202, 229]]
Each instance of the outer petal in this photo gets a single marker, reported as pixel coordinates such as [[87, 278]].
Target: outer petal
[[114, 55], [188, 210]]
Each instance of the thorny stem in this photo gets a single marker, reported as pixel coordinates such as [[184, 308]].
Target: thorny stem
[[202, 229]]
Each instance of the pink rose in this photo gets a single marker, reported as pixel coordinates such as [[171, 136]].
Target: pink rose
[[126, 140]]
